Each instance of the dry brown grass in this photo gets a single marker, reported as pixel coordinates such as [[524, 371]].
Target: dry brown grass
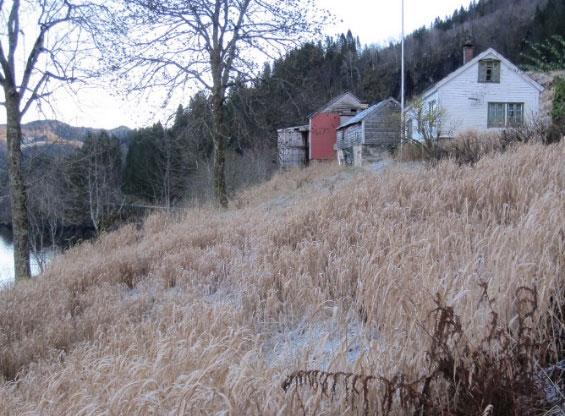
[[466, 148], [470, 146], [292, 184], [209, 312]]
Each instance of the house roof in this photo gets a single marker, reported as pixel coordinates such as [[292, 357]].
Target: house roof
[[328, 106], [363, 114], [490, 52], [303, 128]]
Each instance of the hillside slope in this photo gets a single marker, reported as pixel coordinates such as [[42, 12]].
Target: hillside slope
[[57, 132], [209, 312]]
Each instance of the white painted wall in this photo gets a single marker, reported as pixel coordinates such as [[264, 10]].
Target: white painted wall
[[464, 100]]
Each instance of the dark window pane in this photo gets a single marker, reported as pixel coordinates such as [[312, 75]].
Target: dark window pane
[[496, 116], [515, 114], [489, 71]]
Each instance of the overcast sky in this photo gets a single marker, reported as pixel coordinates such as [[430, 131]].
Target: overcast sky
[[374, 21], [378, 21]]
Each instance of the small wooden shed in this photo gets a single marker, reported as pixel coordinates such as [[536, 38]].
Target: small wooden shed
[[317, 140], [370, 133], [293, 146], [324, 123]]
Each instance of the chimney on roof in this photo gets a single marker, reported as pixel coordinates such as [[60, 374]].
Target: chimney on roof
[[468, 52]]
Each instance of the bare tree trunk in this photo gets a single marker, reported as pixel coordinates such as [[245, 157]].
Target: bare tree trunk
[[93, 201], [219, 138], [212, 38], [20, 220], [167, 179]]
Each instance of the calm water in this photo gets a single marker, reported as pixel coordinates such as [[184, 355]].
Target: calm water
[[7, 258]]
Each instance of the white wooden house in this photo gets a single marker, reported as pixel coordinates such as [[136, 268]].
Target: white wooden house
[[487, 93]]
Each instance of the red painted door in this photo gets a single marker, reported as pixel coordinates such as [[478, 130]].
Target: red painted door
[[323, 136]]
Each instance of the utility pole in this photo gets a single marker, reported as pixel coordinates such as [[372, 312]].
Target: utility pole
[[402, 92]]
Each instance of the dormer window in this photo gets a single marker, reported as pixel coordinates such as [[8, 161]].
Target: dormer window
[[489, 71]]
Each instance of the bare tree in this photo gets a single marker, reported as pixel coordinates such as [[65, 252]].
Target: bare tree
[[98, 173], [47, 201], [58, 35], [429, 119], [174, 43]]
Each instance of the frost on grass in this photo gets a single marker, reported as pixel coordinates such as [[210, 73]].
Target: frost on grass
[[338, 272], [321, 344]]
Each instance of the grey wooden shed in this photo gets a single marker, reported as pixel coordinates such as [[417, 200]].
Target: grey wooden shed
[[370, 133], [292, 145]]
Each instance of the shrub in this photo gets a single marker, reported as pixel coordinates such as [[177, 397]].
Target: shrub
[[535, 131], [414, 150], [465, 148], [471, 146]]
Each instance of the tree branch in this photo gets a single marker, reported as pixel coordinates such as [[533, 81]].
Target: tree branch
[[13, 35]]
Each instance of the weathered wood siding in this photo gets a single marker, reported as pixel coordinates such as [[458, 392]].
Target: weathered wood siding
[[292, 147], [346, 103], [382, 128], [350, 136]]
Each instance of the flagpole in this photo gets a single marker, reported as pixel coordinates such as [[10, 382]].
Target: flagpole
[[402, 91]]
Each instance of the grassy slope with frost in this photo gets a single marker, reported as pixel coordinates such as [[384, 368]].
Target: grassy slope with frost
[[318, 269]]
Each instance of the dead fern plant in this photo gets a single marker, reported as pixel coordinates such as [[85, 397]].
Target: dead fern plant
[[463, 378]]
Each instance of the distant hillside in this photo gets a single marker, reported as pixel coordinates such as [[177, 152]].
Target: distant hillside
[[56, 132]]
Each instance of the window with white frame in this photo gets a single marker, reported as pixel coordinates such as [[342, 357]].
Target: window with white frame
[[505, 115]]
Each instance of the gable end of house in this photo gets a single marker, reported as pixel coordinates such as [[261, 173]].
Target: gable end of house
[[487, 54]]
